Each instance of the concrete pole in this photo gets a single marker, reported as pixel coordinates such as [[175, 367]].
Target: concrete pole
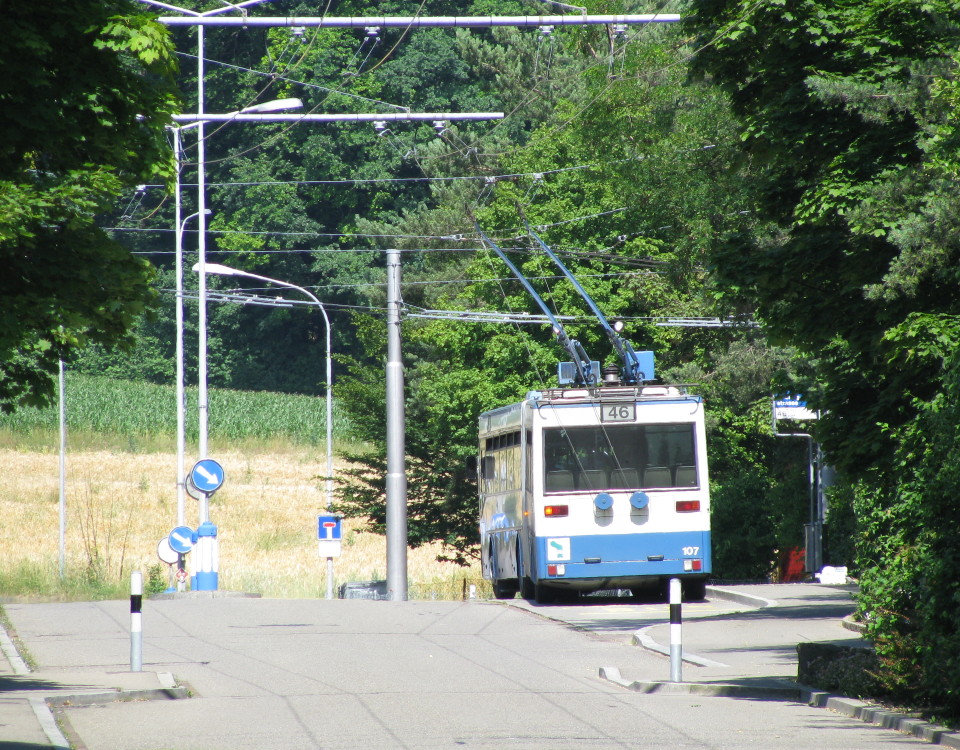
[[396, 468]]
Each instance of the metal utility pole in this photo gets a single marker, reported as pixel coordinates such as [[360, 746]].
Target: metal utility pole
[[202, 409], [396, 466], [63, 469]]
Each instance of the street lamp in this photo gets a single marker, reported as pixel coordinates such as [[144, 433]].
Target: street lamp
[[221, 270], [271, 106], [201, 214]]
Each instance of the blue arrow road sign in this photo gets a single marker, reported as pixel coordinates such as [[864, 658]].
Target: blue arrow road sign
[[329, 528], [181, 539], [207, 476]]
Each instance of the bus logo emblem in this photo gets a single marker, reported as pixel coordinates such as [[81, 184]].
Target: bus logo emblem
[[558, 550]]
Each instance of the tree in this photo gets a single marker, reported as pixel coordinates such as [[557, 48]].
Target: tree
[[836, 112], [848, 111], [86, 93], [615, 174]]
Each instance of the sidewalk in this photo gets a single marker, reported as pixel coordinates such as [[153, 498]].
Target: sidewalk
[[83, 653], [752, 654], [753, 651], [29, 699]]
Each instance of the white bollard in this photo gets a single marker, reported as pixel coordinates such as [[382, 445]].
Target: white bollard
[[676, 637], [136, 623]]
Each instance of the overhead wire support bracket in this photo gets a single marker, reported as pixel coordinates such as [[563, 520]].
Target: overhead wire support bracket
[[482, 316], [582, 363], [238, 298], [374, 117], [631, 374], [419, 22]]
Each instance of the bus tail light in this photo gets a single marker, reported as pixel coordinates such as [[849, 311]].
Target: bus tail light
[[556, 570], [692, 566], [688, 506], [556, 511]]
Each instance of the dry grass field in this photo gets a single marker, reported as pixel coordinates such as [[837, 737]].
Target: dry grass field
[[120, 504]]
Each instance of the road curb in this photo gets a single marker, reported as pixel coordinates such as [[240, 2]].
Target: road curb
[[740, 597], [56, 706], [852, 708], [117, 696], [50, 704], [849, 623], [641, 639], [218, 594], [870, 713], [772, 691]]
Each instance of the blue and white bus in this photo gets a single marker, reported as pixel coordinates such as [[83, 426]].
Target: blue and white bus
[[590, 488]]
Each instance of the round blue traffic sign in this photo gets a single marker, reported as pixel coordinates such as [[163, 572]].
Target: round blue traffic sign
[[181, 539], [206, 476]]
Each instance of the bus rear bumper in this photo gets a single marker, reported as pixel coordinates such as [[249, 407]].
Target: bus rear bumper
[[592, 563]]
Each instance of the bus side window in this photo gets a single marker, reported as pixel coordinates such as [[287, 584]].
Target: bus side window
[[488, 467]]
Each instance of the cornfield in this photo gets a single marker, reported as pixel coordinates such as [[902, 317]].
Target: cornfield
[[137, 410], [121, 497]]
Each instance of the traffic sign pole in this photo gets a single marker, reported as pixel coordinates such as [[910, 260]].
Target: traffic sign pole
[[206, 559], [205, 478], [329, 536]]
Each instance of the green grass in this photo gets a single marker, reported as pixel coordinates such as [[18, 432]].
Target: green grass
[[141, 417], [32, 580]]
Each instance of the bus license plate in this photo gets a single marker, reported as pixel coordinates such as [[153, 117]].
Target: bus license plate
[[618, 413]]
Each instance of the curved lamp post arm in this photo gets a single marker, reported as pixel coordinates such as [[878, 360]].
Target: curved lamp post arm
[[221, 270]]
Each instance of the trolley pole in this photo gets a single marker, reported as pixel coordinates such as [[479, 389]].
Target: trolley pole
[[396, 468]]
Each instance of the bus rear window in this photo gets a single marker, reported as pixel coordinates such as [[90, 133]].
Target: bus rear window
[[621, 457]]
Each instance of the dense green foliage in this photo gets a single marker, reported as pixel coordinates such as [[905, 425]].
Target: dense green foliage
[[623, 165], [613, 178], [848, 116], [86, 92]]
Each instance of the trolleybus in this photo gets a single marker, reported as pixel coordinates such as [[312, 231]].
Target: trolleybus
[[601, 485], [585, 489]]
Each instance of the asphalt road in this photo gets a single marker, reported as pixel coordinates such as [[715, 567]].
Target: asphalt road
[[290, 674]]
